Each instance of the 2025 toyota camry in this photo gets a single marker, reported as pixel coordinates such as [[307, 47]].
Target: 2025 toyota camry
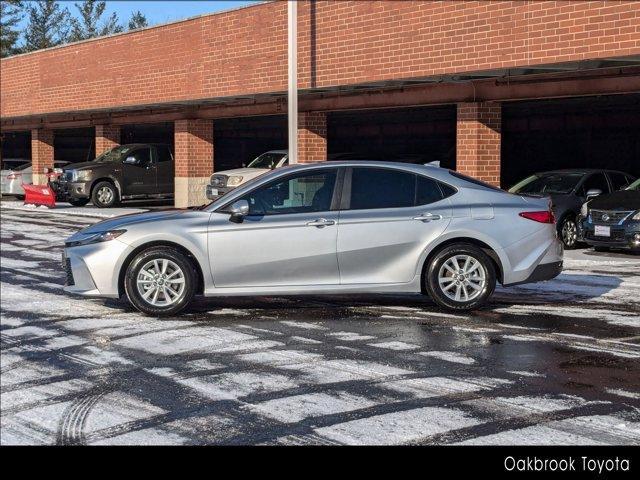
[[325, 228]]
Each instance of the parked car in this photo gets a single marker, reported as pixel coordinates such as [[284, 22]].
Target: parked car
[[326, 228], [225, 181], [568, 190], [126, 172], [19, 171], [613, 221]]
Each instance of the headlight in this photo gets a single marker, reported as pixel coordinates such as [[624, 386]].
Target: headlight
[[80, 175], [234, 181], [585, 209], [96, 238], [636, 216]]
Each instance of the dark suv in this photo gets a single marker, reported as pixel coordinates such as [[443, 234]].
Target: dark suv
[[126, 172], [568, 190]]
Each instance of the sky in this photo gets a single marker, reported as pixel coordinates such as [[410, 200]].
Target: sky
[[162, 11]]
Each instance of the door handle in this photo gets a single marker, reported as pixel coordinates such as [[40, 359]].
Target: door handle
[[321, 222], [427, 217]]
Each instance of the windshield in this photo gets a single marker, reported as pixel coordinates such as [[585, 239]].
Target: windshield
[[548, 183], [113, 155], [267, 160], [635, 185]]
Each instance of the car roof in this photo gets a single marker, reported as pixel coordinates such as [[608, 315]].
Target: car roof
[[580, 170]]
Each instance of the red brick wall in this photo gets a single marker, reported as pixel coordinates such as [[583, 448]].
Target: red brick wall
[[312, 137], [41, 154], [193, 148], [244, 51], [107, 136], [478, 140]]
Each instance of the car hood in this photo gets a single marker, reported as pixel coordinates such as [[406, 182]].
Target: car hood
[[244, 172], [125, 221], [86, 165], [622, 200]]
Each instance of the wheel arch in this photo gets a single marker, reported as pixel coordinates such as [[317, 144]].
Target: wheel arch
[[106, 179], [485, 247], [160, 243]]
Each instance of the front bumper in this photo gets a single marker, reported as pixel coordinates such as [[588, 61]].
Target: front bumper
[[621, 236], [71, 190], [93, 270], [214, 193]]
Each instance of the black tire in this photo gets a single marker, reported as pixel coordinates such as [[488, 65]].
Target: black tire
[[568, 231], [160, 254], [78, 202], [104, 195], [436, 290]]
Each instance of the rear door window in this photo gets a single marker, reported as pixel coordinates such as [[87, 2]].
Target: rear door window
[[373, 188]]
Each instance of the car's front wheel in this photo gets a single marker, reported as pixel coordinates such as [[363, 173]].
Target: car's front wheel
[[160, 281], [569, 232], [460, 277], [104, 195]]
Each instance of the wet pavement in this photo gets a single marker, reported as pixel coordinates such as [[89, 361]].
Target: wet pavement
[[550, 363]]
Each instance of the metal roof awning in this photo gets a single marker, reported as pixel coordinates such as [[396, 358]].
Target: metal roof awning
[[242, 103]]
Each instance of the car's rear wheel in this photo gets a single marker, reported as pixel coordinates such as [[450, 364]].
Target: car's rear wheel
[[569, 232], [460, 277], [160, 281], [78, 202], [104, 195]]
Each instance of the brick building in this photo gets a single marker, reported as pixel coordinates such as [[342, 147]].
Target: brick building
[[495, 89]]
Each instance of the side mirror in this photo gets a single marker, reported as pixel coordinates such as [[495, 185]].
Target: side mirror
[[131, 160], [239, 210], [594, 192]]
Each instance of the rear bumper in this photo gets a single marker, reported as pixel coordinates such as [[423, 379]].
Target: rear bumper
[[544, 271]]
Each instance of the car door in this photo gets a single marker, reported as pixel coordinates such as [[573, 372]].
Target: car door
[[288, 237], [164, 170], [388, 217], [138, 173]]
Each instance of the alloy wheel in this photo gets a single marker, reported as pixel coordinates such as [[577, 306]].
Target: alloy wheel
[[160, 282], [569, 233], [105, 195], [462, 278]]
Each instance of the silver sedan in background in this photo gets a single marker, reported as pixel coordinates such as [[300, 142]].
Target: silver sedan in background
[[325, 228]]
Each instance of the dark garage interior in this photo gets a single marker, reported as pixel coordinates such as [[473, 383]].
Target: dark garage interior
[[239, 140], [74, 144], [585, 132], [148, 133], [16, 145], [413, 135]]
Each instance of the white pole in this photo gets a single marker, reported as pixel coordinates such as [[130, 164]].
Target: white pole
[[292, 101]]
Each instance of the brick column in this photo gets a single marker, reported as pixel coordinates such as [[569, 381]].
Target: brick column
[[107, 136], [478, 140], [194, 161], [312, 137], [41, 154]]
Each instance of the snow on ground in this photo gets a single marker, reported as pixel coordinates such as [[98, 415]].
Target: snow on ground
[[63, 208], [551, 363]]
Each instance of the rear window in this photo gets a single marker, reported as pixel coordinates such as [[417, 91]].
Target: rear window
[[473, 180]]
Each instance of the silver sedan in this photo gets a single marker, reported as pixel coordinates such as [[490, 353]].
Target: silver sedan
[[326, 228]]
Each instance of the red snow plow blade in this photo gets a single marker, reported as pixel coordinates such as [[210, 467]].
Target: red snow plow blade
[[39, 195]]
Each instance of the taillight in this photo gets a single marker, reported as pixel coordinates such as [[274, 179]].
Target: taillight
[[545, 216]]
